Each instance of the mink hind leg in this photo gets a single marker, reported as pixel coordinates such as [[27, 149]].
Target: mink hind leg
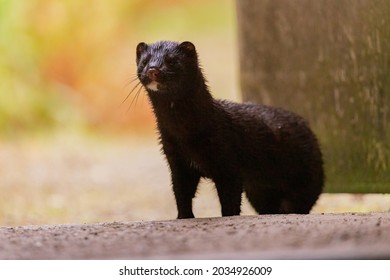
[[264, 201], [302, 196], [303, 189], [297, 200]]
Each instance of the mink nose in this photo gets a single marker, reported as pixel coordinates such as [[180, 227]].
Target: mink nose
[[153, 73]]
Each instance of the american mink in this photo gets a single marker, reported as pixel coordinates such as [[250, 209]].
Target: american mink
[[268, 152]]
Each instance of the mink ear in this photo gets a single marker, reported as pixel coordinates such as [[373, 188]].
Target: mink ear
[[141, 47], [188, 48]]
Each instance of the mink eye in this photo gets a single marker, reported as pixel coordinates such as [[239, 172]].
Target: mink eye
[[144, 61], [170, 61]]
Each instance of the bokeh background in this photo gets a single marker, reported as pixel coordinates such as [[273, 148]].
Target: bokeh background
[[73, 149], [68, 64]]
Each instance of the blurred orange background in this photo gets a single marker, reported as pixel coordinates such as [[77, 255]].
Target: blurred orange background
[[69, 64]]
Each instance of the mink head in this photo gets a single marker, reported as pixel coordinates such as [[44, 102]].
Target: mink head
[[166, 67]]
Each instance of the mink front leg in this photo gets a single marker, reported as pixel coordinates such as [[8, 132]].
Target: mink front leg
[[185, 179], [185, 182], [230, 194]]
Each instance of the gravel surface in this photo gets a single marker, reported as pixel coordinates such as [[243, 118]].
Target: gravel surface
[[313, 236]]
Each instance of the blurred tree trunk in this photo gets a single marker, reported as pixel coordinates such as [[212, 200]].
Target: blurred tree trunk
[[328, 60]]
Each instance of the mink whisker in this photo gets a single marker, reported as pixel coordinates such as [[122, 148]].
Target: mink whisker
[[135, 97], [128, 95], [130, 80]]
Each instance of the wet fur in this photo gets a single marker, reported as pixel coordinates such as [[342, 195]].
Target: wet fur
[[269, 153]]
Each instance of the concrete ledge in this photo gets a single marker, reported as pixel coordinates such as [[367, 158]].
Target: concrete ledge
[[314, 236]]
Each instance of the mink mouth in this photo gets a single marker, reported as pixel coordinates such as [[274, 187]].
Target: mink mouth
[[159, 84], [153, 77], [153, 86]]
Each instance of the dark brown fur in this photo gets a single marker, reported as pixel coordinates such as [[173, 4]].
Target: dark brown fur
[[269, 153]]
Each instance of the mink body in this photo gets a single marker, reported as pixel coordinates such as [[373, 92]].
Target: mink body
[[268, 152]]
